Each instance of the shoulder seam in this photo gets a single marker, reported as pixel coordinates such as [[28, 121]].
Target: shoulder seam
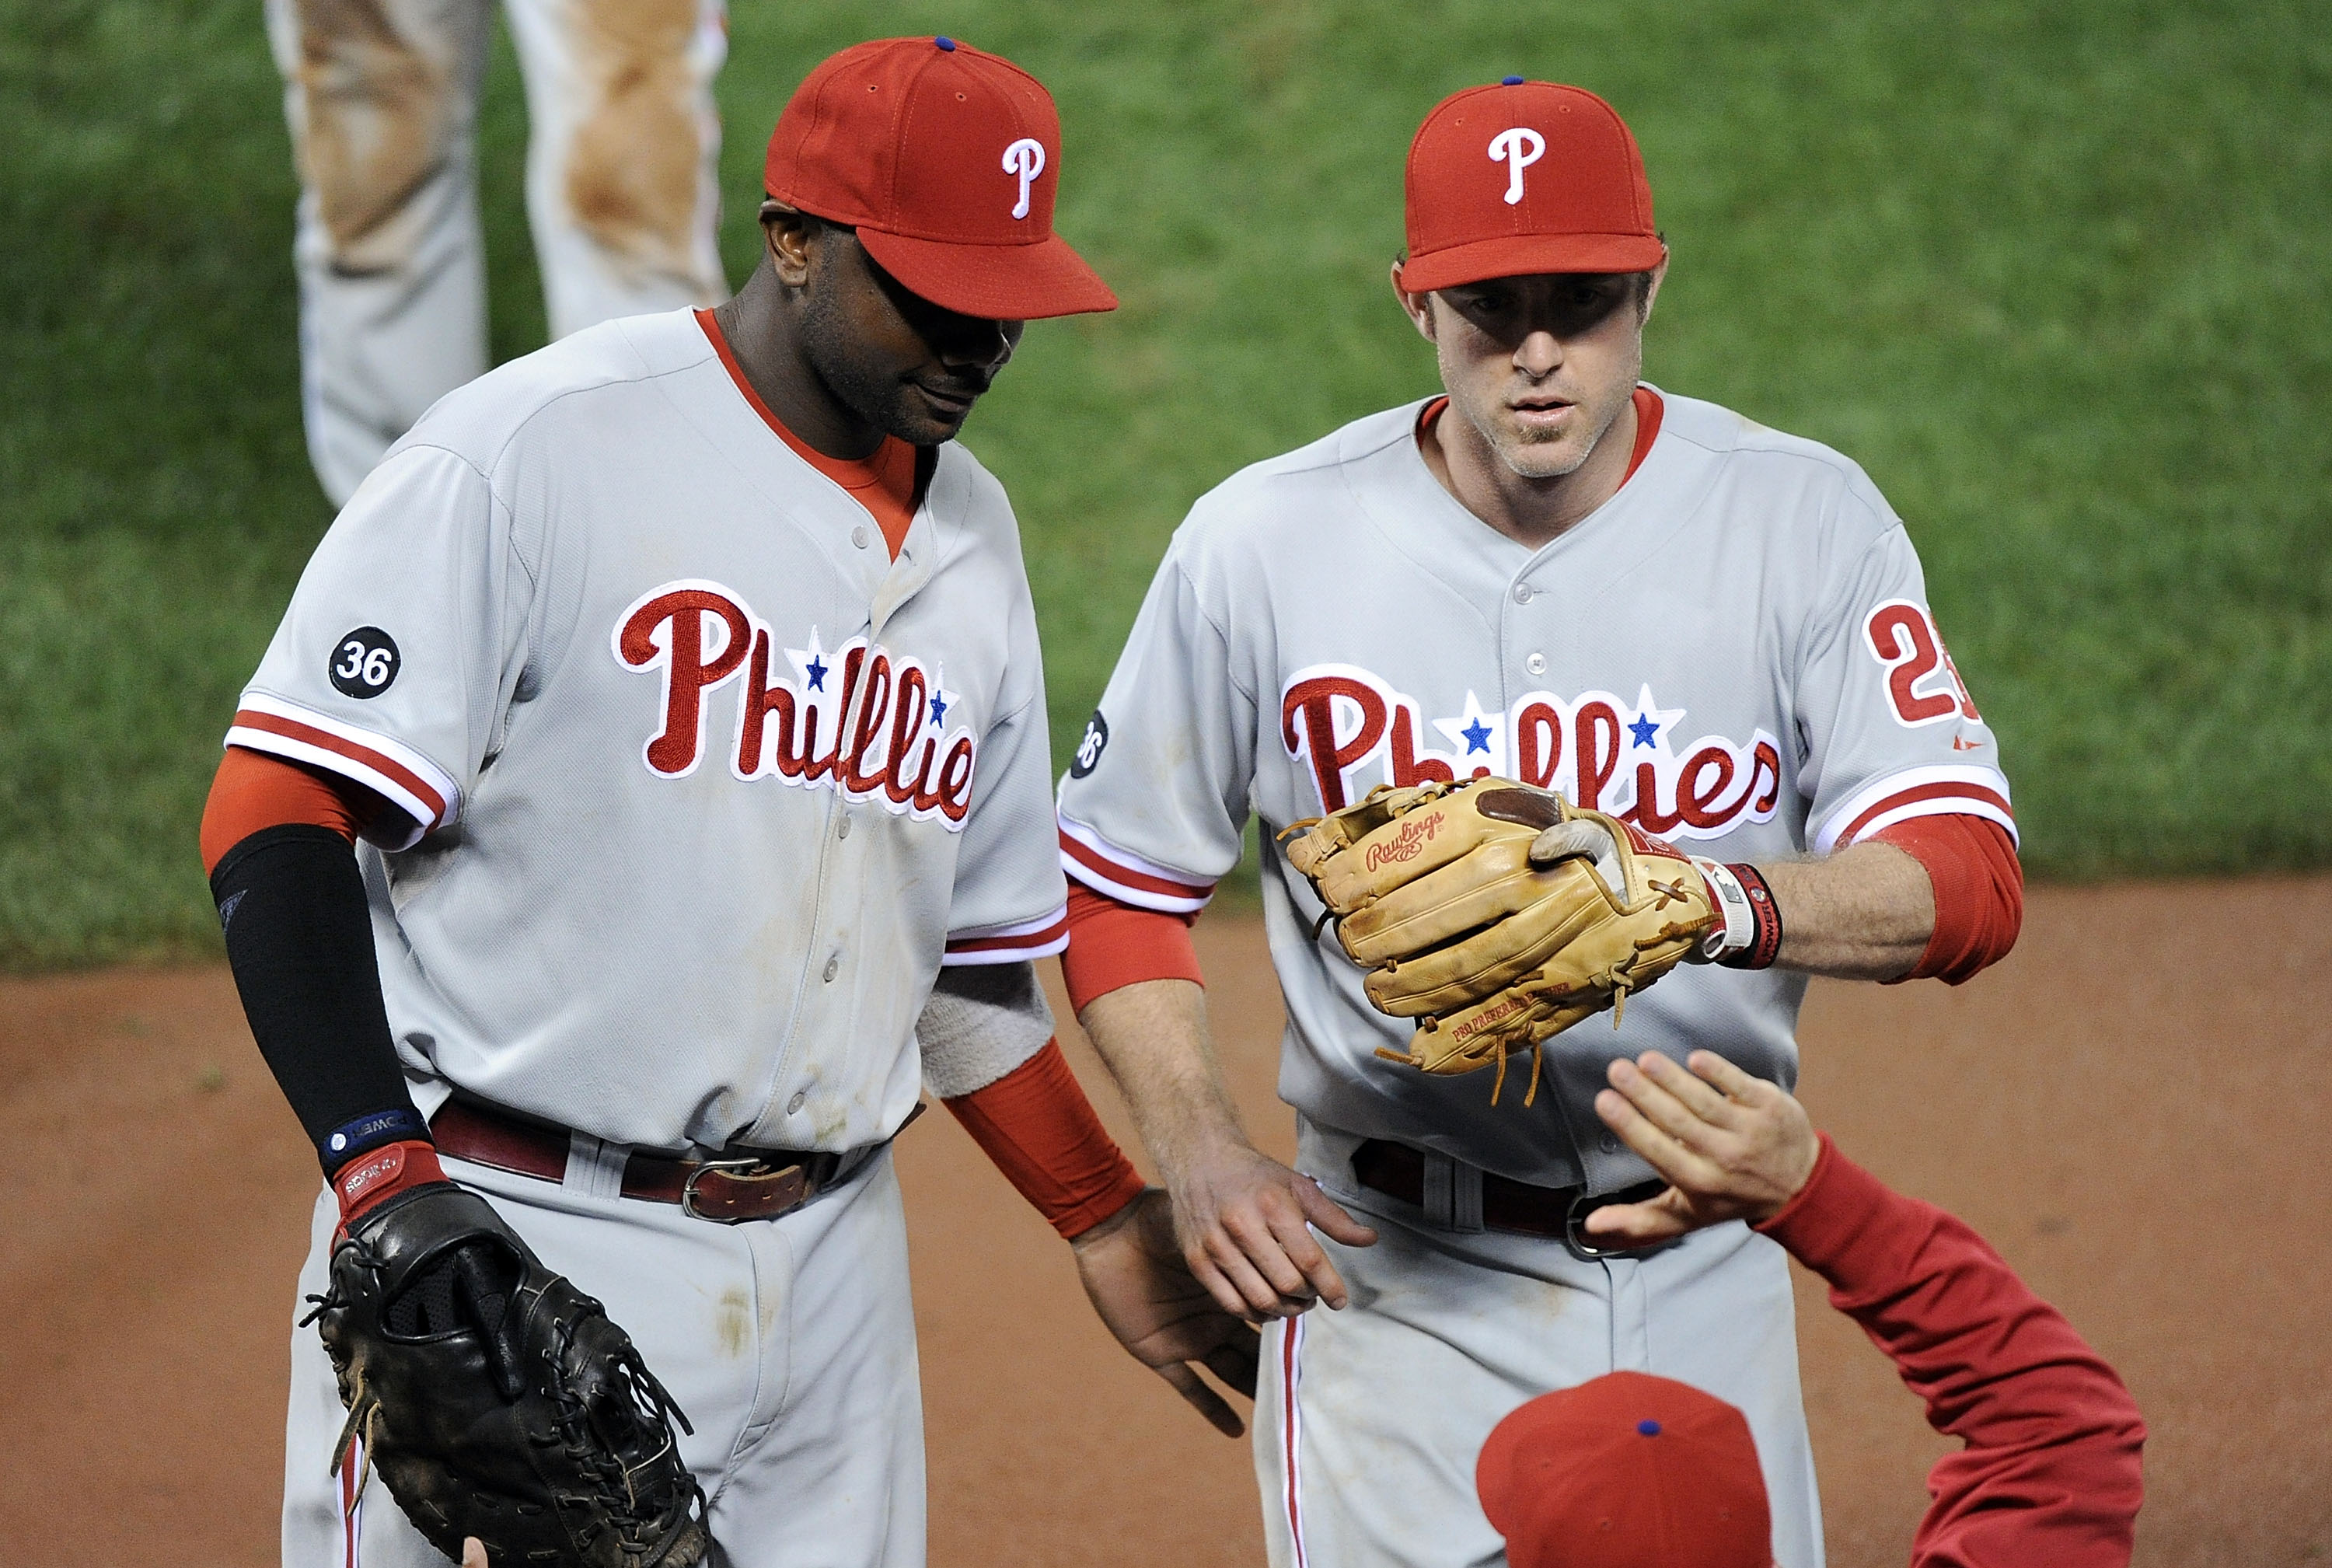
[[1331, 457], [493, 499], [548, 404], [1221, 635]]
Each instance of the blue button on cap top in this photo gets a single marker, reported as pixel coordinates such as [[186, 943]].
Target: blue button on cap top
[[1511, 81], [946, 43], [1650, 1428]]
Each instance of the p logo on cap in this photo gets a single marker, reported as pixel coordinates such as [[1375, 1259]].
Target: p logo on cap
[[1025, 158], [1518, 149]]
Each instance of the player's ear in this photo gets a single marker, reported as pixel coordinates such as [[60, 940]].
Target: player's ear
[[788, 235], [1652, 286], [1419, 307]]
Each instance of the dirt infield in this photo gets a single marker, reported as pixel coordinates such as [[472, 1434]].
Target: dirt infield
[[2136, 1108]]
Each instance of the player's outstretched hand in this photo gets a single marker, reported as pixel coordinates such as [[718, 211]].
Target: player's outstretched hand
[[1731, 1146], [1245, 1223], [1137, 1280], [473, 1554]]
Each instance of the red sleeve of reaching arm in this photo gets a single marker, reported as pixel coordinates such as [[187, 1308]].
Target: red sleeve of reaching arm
[[2050, 1472], [1113, 944], [1979, 892], [253, 791], [1039, 1128]]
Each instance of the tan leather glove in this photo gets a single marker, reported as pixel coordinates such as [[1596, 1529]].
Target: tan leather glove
[[1496, 913]]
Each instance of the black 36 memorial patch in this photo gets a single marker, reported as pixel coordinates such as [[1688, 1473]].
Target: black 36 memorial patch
[[363, 663], [1089, 749]]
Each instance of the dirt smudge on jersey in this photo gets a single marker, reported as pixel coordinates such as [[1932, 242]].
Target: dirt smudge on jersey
[[732, 1323]]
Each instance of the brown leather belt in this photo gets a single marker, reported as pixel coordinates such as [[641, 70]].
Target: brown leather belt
[[750, 1184], [1398, 1171]]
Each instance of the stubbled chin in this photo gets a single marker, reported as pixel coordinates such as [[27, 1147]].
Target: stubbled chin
[[1540, 459]]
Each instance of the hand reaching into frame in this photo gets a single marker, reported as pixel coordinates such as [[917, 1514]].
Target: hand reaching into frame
[[1245, 1222], [1134, 1274], [1730, 1146]]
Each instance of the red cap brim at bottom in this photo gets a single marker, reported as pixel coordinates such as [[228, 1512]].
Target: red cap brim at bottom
[[1522, 256], [994, 282]]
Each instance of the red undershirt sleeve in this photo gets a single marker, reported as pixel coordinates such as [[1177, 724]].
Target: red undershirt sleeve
[[253, 791], [1036, 1124], [1112, 945], [2050, 1472], [1979, 888]]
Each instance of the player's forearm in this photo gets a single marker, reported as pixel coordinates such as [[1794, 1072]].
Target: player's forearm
[[1154, 1038], [2054, 1468], [1863, 913], [276, 840]]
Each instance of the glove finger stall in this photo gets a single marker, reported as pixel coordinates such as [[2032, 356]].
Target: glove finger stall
[[1571, 906], [1492, 883]]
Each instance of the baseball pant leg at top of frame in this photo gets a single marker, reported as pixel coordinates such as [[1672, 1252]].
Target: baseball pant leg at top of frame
[[623, 149], [381, 96], [790, 1343], [382, 99], [1368, 1421]]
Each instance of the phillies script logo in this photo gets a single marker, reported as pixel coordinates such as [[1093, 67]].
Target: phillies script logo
[[862, 721], [1413, 837], [1354, 730]]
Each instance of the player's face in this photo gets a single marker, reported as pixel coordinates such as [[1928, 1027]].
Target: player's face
[[1540, 365], [895, 360]]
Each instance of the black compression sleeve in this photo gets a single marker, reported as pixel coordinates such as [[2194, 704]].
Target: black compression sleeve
[[300, 939]]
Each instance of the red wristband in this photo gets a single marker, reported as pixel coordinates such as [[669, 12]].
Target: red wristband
[[1039, 1128], [1765, 945], [368, 1178]]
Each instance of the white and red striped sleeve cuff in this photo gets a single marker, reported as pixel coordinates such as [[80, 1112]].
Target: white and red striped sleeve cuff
[[1126, 876], [1917, 792], [1017, 942], [423, 790]]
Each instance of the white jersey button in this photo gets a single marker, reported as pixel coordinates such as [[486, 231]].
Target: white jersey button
[[833, 968], [794, 1105], [858, 535], [843, 831], [1525, 593], [1535, 664]]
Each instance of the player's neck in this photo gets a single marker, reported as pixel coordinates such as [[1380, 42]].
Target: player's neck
[[764, 337], [1531, 511]]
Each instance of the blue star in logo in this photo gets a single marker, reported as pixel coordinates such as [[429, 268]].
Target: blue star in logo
[[939, 708], [1644, 731], [817, 676], [1478, 737]]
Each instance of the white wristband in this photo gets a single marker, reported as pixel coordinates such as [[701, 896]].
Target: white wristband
[[1732, 900]]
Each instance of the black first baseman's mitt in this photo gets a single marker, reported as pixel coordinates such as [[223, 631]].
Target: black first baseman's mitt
[[496, 1400]]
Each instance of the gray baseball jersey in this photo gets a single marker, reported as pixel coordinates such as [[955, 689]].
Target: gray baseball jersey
[[700, 788], [1734, 652]]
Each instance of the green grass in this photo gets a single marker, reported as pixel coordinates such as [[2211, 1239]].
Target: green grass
[[2058, 276]]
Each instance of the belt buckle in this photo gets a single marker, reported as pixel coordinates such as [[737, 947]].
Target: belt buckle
[[1575, 1219], [750, 1166]]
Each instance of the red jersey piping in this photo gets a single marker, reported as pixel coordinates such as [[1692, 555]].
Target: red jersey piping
[[886, 481]]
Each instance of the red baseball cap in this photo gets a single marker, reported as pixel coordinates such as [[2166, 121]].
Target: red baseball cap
[[1627, 1470], [946, 160], [1525, 176]]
